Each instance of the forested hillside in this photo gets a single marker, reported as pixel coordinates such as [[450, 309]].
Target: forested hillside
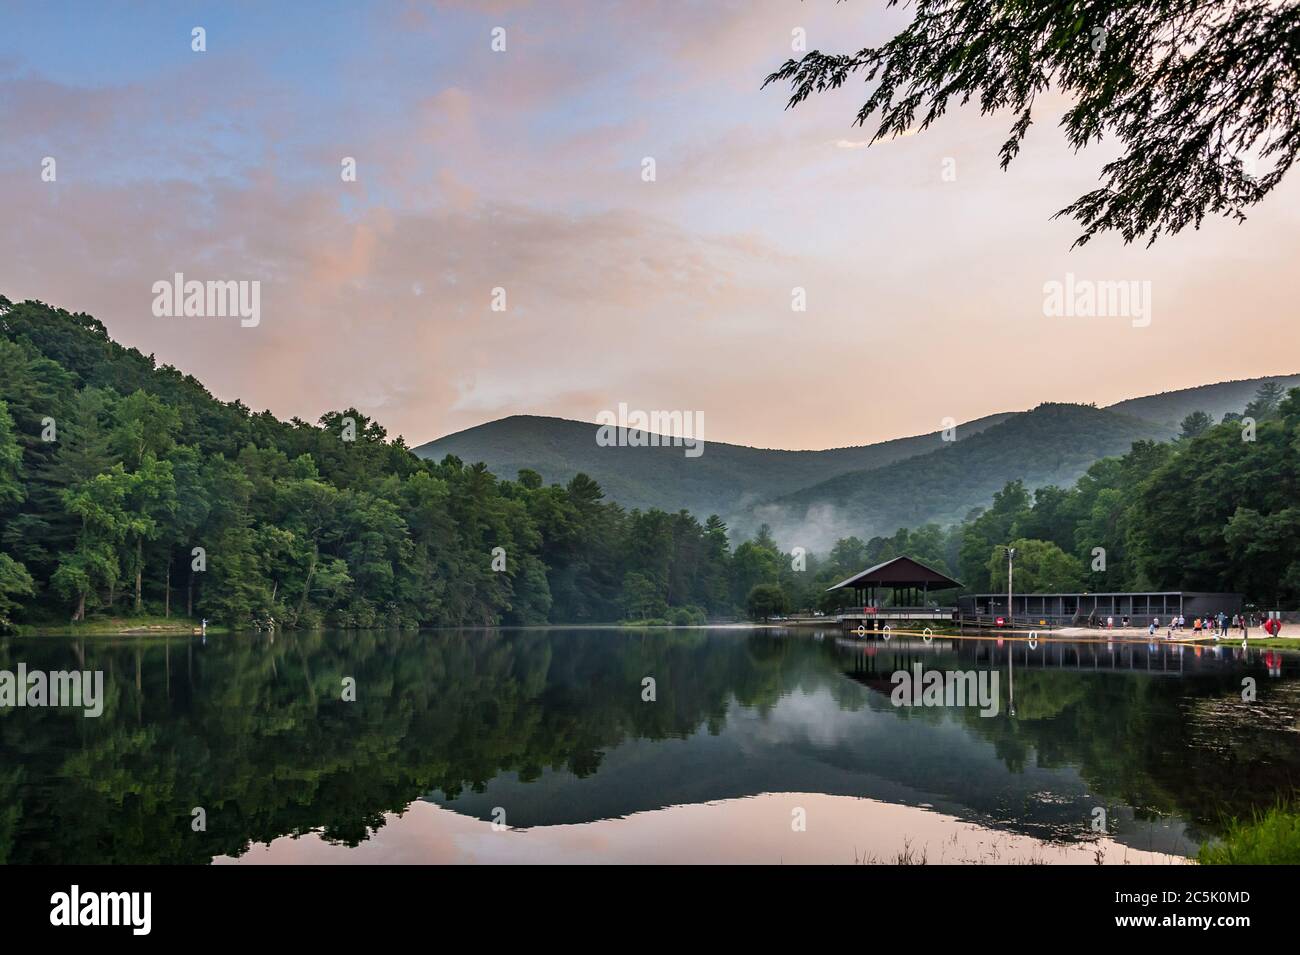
[[722, 480], [113, 470], [812, 498], [1053, 444], [127, 489], [1224, 397], [1216, 511]]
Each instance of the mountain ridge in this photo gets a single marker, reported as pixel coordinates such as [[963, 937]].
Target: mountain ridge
[[722, 480], [1051, 444], [812, 497]]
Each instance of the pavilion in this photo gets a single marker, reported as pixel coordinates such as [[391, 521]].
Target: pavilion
[[906, 578]]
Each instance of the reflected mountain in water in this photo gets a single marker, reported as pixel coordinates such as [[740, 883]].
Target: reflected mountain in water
[[550, 726]]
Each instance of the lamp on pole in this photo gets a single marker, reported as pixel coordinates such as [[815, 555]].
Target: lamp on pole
[[1011, 558], [1011, 651]]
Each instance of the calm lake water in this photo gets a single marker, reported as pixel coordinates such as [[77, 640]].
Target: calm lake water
[[537, 746]]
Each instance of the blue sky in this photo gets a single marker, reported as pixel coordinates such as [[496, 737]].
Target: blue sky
[[521, 169]]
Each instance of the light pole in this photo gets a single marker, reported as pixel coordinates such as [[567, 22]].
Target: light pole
[[1011, 647], [1011, 558]]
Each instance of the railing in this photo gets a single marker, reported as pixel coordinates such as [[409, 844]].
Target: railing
[[1034, 621], [894, 613], [1041, 621]]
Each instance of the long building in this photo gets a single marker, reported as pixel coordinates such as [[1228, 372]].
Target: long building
[[900, 590], [1140, 608]]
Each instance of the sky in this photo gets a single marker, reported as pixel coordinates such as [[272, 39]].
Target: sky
[[922, 263]]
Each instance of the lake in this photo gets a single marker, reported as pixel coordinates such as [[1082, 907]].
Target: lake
[[602, 745]]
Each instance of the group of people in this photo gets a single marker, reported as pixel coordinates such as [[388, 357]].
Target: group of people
[[1216, 624]]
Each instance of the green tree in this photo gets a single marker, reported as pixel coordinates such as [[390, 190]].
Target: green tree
[[11, 462], [848, 556], [715, 577], [14, 582], [1187, 90], [145, 425], [99, 504], [1265, 550], [989, 529], [150, 503], [1040, 567], [43, 529], [192, 510], [1264, 405], [766, 600], [1195, 425], [643, 597], [1184, 506], [755, 561]]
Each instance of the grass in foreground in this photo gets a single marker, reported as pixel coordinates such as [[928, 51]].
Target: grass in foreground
[[1267, 838]]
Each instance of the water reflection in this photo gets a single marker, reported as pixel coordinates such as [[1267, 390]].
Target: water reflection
[[549, 726]]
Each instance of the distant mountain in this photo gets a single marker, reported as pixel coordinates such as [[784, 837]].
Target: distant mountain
[[813, 497], [1171, 407], [1052, 444], [725, 479]]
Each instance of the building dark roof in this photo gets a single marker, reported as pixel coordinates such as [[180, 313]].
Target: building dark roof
[[899, 572]]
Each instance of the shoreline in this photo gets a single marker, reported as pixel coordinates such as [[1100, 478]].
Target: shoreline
[[160, 627], [145, 626]]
